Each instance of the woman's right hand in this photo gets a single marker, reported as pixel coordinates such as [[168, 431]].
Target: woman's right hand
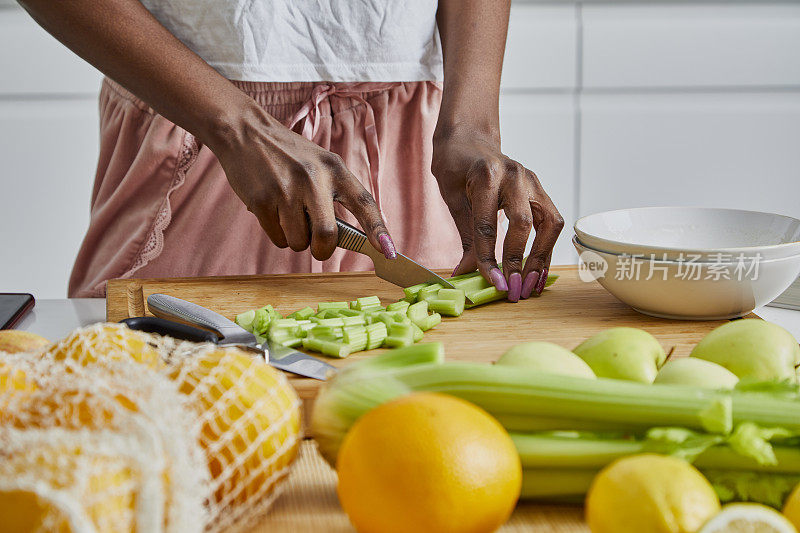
[[290, 184]]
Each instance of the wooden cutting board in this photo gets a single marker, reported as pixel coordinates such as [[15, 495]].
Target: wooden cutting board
[[566, 313]]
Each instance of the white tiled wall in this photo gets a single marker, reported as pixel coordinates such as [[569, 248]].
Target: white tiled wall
[[611, 104]]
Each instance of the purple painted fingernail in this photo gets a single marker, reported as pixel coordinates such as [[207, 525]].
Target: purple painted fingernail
[[542, 281], [498, 279], [387, 246], [530, 282], [514, 286]]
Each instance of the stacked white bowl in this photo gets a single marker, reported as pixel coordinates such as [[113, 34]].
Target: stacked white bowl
[[692, 263]]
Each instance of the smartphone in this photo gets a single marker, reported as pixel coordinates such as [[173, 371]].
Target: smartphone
[[14, 306]]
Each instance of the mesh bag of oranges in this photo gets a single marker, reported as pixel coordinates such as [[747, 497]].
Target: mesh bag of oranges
[[241, 416]]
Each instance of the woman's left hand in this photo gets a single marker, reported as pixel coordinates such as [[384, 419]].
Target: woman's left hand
[[477, 180]]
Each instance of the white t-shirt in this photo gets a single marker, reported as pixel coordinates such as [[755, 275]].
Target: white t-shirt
[[309, 40]]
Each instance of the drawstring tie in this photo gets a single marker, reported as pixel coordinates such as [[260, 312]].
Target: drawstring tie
[[309, 113]]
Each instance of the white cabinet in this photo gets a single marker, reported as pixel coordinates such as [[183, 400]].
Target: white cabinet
[[693, 44], [541, 48], [48, 151], [723, 150], [539, 132]]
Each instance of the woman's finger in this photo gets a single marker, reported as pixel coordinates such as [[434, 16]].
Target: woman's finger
[[516, 204], [295, 226], [548, 223], [482, 188], [356, 199], [322, 220], [267, 216]]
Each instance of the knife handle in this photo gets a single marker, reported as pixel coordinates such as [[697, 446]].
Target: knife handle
[[172, 308], [177, 330], [352, 239]]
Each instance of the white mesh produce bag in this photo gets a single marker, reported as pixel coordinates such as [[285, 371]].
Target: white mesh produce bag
[[85, 414], [245, 415]]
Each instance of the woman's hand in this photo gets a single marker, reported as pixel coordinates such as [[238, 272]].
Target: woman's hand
[[290, 184], [476, 180]]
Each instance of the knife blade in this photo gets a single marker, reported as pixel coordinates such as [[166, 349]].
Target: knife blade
[[230, 333], [402, 271]]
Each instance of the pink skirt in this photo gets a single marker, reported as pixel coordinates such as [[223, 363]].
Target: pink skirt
[[162, 207]]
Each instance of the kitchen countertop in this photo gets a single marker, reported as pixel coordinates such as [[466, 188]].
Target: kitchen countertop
[[54, 319]]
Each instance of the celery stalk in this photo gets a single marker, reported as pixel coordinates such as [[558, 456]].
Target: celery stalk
[[354, 321], [429, 292], [556, 484], [417, 332], [337, 322]]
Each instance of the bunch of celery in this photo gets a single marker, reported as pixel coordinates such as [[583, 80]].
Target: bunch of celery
[[567, 428], [338, 329]]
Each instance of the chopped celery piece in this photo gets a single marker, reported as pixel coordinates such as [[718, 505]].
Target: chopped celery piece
[[337, 322], [283, 323], [400, 335], [293, 342], [429, 322], [303, 314], [450, 294], [484, 296], [325, 331], [279, 335], [332, 348], [260, 339], [429, 292], [356, 338], [402, 305], [245, 319], [417, 311], [397, 342], [417, 332], [383, 316], [321, 306], [376, 333], [447, 307], [472, 284], [464, 277], [325, 313], [261, 321], [350, 312], [354, 320], [413, 291], [367, 302]]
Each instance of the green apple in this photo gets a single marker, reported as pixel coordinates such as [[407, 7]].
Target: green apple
[[546, 357], [623, 353], [752, 348], [696, 372]]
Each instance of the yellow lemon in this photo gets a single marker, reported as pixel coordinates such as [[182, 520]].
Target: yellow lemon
[[101, 342], [428, 462], [650, 493], [15, 341], [249, 419], [791, 509], [748, 518]]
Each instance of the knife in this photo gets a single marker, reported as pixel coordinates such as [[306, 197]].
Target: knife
[[230, 333], [401, 271]]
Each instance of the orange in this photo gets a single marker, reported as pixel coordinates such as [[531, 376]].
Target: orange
[[428, 462]]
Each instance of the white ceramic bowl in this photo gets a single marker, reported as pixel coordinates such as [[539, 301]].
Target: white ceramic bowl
[[710, 233], [702, 291]]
